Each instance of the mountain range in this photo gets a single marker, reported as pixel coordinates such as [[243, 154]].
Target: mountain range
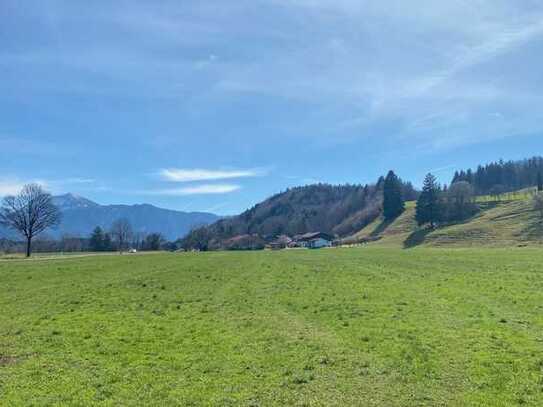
[[81, 215]]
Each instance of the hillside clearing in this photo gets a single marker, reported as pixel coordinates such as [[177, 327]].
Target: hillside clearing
[[372, 327]]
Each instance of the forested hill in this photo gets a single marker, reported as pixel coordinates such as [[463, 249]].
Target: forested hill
[[503, 176], [337, 210]]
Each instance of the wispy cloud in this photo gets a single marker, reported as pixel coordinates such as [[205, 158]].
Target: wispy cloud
[[349, 68], [206, 189], [499, 43], [191, 175], [79, 181], [444, 168]]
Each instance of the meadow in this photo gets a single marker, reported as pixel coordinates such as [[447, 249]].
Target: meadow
[[336, 327]]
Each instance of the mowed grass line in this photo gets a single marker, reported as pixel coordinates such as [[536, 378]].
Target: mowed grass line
[[361, 327]]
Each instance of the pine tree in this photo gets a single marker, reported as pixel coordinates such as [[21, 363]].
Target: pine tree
[[97, 240], [393, 203], [539, 182], [429, 208]]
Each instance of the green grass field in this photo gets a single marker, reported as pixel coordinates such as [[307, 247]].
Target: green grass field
[[336, 327]]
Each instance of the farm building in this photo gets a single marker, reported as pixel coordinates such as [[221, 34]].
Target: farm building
[[281, 242], [314, 240]]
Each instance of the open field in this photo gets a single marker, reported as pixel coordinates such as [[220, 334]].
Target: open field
[[68, 255], [366, 327], [51, 256]]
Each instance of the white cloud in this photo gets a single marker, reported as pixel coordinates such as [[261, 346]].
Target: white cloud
[[78, 181], [206, 189], [8, 187], [12, 186], [191, 175]]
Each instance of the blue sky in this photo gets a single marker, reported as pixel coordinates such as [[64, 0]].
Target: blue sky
[[215, 105]]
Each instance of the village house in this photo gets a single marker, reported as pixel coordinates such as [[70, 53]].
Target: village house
[[314, 240], [281, 242]]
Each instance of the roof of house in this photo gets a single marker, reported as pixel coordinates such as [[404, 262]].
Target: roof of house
[[282, 239], [313, 236]]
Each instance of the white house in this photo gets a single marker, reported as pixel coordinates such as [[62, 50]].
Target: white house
[[314, 240]]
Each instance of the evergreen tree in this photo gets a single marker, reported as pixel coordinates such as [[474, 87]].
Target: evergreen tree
[[96, 242], [429, 208], [393, 203], [539, 182]]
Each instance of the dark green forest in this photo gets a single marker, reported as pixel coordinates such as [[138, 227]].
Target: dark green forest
[[502, 176]]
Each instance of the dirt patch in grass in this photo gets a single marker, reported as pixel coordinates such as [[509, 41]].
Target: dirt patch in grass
[[7, 360]]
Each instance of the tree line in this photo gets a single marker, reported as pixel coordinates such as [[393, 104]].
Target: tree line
[[503, 176], [121, 237]]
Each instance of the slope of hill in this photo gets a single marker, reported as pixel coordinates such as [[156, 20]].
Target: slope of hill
[[498, 224], [80, 216]]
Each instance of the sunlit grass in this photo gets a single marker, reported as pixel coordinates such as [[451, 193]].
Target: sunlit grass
[[364, 327], [521, 195]]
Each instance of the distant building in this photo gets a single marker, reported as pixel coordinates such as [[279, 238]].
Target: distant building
[[281, 242], [314, 240]]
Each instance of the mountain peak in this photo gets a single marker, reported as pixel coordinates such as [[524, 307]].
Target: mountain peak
[[72, 201]]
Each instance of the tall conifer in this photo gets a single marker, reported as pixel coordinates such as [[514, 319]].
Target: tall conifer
[[393, 203], [429, 208]]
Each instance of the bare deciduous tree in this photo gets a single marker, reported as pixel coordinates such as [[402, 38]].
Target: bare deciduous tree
[[121, 231], [460, 199], [153, 241], [30, 213]]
